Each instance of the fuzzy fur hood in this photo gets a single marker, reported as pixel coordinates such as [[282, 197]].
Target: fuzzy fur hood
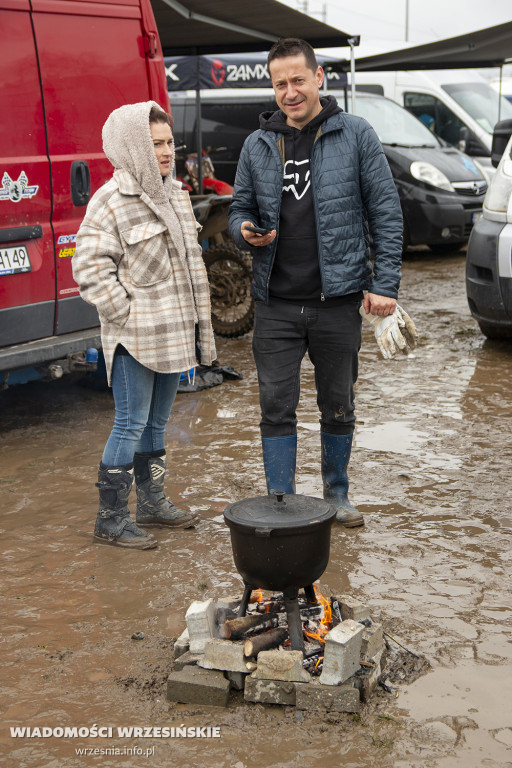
[[128, 145]]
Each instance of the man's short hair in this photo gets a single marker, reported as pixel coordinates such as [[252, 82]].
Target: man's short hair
[[293, 46]]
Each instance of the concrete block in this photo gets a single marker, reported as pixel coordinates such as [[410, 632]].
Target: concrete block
[[182, 644], [224, 654], [342, 652], [269, 691], [366, 679], [340, 698], [200, 619], [350, 608], [228, 603], [193, 685], [186, 659], [373, 641], [237, 680], [281, 665]]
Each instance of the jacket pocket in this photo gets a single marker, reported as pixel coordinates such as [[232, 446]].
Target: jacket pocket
[[147, 253]]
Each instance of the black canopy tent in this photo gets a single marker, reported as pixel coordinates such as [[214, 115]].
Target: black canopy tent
[[198, 27], [490, 47], [237, 26]]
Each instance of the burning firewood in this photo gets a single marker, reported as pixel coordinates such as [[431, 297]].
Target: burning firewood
[[235, 628], [265, 641], [270, 606]]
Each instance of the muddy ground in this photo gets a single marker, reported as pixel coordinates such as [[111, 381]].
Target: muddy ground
[[430, 470]]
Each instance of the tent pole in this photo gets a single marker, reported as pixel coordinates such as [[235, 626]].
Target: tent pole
[[199, 142], [501, 83], [352, 41]]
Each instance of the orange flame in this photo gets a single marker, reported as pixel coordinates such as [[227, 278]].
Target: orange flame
[[259, 596], [317, 635], [326, 620], [327, 617]]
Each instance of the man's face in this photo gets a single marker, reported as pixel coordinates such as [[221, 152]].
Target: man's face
[[297, 89]]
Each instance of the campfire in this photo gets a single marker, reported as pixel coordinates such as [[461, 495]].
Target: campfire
[[340, 665], [265, 626], [277, 645]]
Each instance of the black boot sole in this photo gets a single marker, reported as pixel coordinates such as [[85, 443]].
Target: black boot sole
[[140, 543], [164, 524]]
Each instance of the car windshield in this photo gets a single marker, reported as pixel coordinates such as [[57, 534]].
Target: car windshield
[[481, 102], [392, 123]]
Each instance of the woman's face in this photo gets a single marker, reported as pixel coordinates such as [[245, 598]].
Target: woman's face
[[162, 143]]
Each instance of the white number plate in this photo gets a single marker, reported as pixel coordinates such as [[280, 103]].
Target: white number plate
[[13, 260]]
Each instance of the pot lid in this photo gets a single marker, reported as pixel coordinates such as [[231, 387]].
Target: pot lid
[[279, 511]]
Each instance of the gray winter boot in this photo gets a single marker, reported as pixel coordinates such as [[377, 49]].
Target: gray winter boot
[[113, 523], [153, 508]]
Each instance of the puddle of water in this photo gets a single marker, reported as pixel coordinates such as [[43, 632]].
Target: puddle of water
[[471, 690], [392, 436]]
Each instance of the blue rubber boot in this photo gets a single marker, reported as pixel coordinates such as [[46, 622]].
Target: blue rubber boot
[[279, 460], [335, 458]]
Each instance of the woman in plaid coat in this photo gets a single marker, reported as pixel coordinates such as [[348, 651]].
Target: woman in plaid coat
[[138, 261]]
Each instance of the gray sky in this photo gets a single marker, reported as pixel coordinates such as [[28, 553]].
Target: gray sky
[[383, 21]]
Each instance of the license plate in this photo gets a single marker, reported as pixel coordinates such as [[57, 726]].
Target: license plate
[[476, 216], [14, 260]]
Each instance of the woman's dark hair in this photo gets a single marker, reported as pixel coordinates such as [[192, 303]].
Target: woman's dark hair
[[293, 46], [157, 115]]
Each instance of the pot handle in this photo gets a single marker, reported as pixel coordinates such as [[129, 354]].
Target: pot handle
[[263, 532]]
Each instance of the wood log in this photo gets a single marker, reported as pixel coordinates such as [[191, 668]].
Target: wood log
[[265, 641], [270, 607], [236, 628]]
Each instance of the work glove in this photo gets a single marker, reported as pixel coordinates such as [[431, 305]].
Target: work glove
[[394, 333]]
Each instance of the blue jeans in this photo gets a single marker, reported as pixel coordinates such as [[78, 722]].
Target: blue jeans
[[143, 401]]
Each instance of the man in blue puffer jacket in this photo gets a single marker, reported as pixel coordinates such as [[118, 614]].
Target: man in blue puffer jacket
[[317, 181]]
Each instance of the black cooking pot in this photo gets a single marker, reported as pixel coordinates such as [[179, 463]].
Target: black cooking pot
[[280, 541]]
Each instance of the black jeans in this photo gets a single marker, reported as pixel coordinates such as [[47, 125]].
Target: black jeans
[[331, 335]]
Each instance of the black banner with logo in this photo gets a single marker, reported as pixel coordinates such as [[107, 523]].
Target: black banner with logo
[[230, 70]]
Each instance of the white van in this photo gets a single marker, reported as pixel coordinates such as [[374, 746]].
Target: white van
[[446, 101], [489, 255]]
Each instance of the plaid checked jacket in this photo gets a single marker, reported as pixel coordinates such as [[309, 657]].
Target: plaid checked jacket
[[148, 297]]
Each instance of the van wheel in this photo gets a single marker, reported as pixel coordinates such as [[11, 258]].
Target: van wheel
[[445, 248], [495, 332], [229, 273]]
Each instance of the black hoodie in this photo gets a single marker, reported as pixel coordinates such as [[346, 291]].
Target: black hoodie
[[295, 273]]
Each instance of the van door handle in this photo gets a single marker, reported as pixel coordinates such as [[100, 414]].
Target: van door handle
[[9, 234], [80, 182]]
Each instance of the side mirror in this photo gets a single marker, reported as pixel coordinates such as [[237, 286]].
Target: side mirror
[[470, 144], [500, 137], [463, 138]]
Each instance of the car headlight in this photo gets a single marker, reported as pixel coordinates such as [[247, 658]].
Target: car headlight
[[429, 174]]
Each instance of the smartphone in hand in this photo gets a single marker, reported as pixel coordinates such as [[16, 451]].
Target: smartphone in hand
[[257, 230]]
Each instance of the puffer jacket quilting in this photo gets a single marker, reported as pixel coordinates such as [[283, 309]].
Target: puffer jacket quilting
[[353, 189]]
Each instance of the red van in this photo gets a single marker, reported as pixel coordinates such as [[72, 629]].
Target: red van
[[66, 64]]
